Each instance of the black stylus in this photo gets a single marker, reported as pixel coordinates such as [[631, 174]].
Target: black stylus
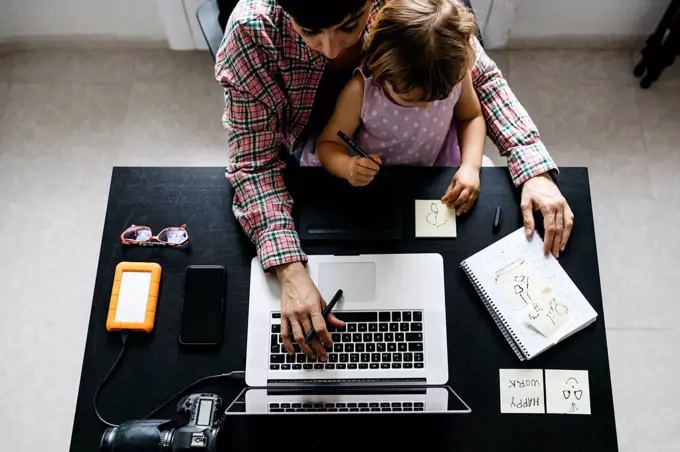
[[355, 147], [326, 311]]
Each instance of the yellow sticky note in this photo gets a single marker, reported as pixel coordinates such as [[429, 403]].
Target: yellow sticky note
[[434, 219]]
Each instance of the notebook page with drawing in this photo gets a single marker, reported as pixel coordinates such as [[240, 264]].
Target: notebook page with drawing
[[529, 295]]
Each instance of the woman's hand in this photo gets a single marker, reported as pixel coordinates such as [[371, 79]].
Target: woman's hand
[[361, 171], [463, 189]]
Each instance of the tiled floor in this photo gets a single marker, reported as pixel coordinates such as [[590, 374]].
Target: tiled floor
[[66, 118]]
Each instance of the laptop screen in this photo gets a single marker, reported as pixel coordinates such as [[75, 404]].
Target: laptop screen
[[347, 399]]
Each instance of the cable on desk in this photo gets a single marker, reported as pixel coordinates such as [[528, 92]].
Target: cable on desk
[[236, 375], [123, 337]]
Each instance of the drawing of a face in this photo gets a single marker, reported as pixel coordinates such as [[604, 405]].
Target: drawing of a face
[[572, 389]]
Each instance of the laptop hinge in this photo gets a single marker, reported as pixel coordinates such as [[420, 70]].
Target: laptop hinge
[[377, 382]]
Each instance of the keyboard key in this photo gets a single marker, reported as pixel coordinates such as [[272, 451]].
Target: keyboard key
[[359, 348], [370, 348], [297, 366], [340, 405], [318, 405], [391, 347], [418, 405], [375, 357], [394, 326], [365, 358], [358, 316], [384, 316], [354, 409], [375, 365], [301, 358], [419, 365], [364, 409], [344, 409], [363, 327], [276, 315], [277, 359], [344, 358], [402, 346], [332, 410], [408, 365], [408, 356], [415, 347], [373, 405], [274, 367], [378, 337], [416, 327], [349, 348], [396, 365], [403, 327], [354, 358], [351, 366], [385, 409], [386, 357], [368, 337], [307, 405], [311, 360], [408, 409], [414, 337], [407, 404], [338, 348], [273, 405], [308, 366], [296, 347], [352, 327], [396, 404], [277, 410], [372, 327], [396, 316], [384, 404], [419, 409], [389, 337], [418, 316], [341, 329], [385, 365], [341, 366], [418, 357], [399, 337], [381, 347], [290, 359], [276, 329], [330, 366], [275, 349], [336, 337], [285, 405], [275, 339], [333, 357], [351, 405], [396, 357], [396, 409], [346, 337], [384, 327], [318, 366], [356, 337], [406, 316], [375, 409], [363, 366]]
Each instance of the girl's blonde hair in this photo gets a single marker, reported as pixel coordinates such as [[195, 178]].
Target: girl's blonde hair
[[425, 44]]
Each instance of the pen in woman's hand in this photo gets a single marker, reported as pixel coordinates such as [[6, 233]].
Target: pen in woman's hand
[[327, 310]]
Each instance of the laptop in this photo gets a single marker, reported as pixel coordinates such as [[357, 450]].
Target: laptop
[[394, 339]]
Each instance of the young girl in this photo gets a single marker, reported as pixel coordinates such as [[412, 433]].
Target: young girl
[[412, 102]]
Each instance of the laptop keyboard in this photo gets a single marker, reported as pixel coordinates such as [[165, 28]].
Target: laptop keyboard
[[346, 407], [369, 341]]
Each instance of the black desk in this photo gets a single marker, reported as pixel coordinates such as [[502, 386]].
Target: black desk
[[155, 368]]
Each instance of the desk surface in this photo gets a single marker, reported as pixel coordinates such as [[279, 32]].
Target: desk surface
[[155, 367]]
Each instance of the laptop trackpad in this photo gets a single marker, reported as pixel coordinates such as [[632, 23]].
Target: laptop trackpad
[[356, 279]]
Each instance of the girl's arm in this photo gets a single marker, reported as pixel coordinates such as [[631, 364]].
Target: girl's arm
[[470, 124], [331, 150]]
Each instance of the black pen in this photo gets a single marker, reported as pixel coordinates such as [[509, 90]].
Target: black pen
[[356, 147], [325, 313]]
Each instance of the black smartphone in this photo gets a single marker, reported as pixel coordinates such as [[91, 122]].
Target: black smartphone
[[203, 305]]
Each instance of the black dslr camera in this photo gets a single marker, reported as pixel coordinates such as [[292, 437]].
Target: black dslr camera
[[196, 429]]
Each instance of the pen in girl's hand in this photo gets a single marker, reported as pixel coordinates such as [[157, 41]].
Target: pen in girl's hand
[[355, 147], [327, 310]]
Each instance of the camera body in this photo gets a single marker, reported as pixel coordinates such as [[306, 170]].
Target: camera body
[[196, 428]]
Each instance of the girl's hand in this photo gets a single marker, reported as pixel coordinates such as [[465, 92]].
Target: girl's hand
[[463, 190], [361, 171]]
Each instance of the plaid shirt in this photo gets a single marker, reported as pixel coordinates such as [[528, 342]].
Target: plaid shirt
[[270, 78]]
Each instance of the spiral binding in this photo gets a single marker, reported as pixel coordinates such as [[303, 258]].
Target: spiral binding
[[502, 325]]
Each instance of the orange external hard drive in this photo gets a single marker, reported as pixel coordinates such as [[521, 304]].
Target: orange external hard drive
[[134, 297]]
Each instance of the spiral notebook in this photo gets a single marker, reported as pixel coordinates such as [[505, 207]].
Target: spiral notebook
[[529, 295]]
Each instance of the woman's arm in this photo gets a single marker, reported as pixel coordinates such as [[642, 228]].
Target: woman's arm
[[470, 125]]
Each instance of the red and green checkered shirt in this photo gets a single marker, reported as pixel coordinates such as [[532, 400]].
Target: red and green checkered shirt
[[270, 79]]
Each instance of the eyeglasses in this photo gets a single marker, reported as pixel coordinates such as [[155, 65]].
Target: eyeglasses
[[142, 235]]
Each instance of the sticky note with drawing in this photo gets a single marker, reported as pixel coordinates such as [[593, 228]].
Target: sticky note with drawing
[[549, 315], [520, 284], [521, 390], [434, 219], [567, 391]]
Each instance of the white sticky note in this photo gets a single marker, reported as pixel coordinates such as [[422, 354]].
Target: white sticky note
[[133, 297], [567, 391], [521, 391], [549, 315], [519, 283], [434, 219]]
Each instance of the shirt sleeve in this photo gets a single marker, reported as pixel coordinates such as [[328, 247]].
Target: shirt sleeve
[[508, 124], [254, 108]]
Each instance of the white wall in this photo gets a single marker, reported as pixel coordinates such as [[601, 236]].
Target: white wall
[[123, 19]]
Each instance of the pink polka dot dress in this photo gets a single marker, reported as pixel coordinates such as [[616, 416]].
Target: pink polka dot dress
[[405, 135]]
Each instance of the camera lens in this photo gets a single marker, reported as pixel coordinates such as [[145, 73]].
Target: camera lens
[[109, 435]]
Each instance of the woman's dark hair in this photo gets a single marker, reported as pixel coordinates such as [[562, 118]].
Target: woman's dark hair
[[318, 14]]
